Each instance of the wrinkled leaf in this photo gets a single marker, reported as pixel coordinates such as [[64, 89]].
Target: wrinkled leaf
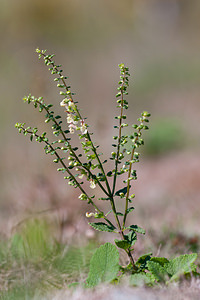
[[141, 279], [122, 244], [136, 229], [104, 265], [159, 272], [180, 265], [160, 260], [142, 261], [102, 227]]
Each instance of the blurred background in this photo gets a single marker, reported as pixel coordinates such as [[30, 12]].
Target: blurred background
[[159, 41]]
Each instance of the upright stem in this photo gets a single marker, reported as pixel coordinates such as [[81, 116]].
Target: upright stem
[[128, 184], [119, 138]]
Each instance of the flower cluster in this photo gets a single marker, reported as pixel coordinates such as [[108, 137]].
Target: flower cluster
[[72, 118]]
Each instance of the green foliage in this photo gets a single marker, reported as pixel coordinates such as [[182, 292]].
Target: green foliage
[[28, 269], [150, 270], [104, 265], [164, 270]]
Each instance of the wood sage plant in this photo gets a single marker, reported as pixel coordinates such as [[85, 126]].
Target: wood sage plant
[[85, 170]]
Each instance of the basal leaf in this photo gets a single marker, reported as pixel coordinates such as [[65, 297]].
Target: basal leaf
[[160, 260], [104, 265], [159, 272], [180, 265], [102, 227], [141, 279], [142, 261]]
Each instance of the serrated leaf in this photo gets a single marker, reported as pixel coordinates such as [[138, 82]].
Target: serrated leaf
[[180, 265], [122, 244], [141, 279], [104, 265], [160, 273], [100, 226], [136, 229], [142, 261], [160, 260]]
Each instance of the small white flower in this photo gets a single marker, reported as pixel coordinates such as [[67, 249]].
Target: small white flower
[[92, 184], [63, 103], [83, 127], [70, 119], [71, 104], [71, 128]]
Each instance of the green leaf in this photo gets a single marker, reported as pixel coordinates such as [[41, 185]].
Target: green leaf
[[160, 273], [142, 261], [122, 244], [109, 174], [102, 198], [104, 265], [131, 237], [141, 279], [130, 209], [123, 190], [180, 265], [119, 214], [136, 229], [160, 260], [102, 227]]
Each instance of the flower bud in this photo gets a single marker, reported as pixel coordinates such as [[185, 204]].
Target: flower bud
[[83, 197], [89, 215]]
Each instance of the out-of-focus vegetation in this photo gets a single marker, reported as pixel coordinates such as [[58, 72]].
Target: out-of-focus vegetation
[[32, 262], [158, 39]]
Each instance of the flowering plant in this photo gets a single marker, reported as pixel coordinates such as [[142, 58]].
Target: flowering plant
[[84, 168]]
